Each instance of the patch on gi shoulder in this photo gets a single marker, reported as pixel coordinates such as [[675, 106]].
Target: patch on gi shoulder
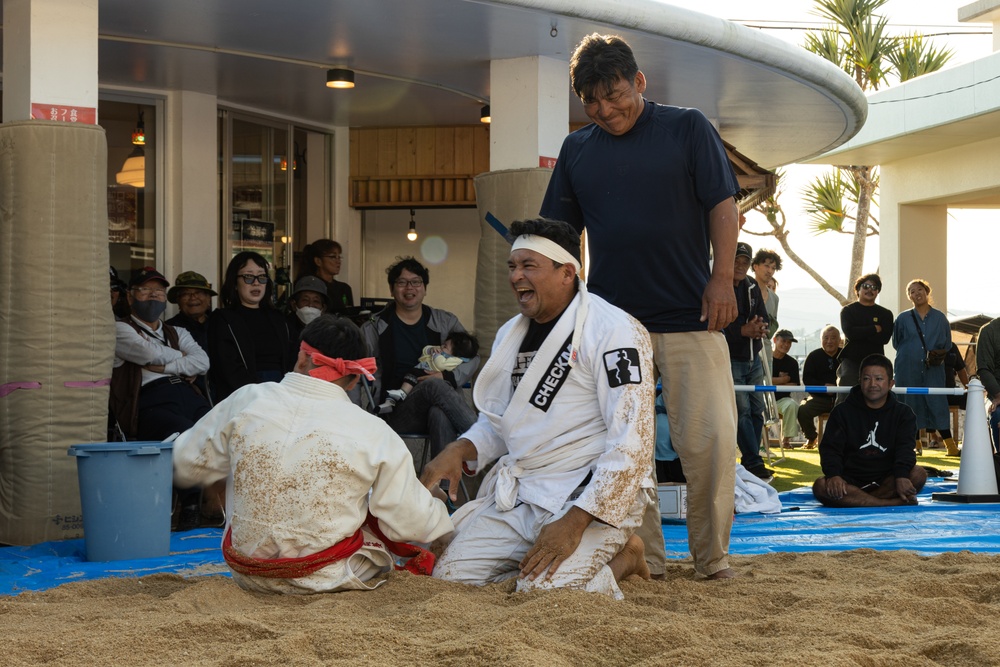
[[623, 367]]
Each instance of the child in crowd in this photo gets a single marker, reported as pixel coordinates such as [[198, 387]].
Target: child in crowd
[[457, 348]]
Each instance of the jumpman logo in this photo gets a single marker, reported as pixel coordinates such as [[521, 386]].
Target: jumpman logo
[[871, 441]]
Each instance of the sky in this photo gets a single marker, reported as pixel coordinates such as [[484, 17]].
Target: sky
[[829, 253]]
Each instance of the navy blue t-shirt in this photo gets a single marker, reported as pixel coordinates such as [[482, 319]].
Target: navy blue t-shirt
[[644, 199]]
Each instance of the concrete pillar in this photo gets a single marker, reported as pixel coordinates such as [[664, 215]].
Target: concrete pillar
[[50, 60], [190, 227], [529, 104], [922, 252], [345, 227]]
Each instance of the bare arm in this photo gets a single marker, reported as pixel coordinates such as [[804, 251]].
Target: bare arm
[[718, 303]]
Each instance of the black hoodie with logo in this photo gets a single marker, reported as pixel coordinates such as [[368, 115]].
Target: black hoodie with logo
[[863, 445]]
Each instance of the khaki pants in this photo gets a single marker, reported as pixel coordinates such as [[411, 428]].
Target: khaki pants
[[701, 406]]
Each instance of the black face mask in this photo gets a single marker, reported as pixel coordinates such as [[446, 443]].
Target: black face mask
[[148, 311]]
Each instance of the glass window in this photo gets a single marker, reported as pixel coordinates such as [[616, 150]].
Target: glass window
[[132, 146]]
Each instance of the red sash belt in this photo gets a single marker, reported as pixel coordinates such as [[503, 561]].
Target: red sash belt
[[420, 560]]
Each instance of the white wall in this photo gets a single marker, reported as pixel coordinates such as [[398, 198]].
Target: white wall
[[447, 245]]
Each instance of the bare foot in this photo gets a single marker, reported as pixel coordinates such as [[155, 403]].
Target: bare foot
[[630, 560], [728, 573]]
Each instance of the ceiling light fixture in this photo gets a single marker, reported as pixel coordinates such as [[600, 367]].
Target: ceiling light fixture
[[412, 234], [484, 114], [340, 78]]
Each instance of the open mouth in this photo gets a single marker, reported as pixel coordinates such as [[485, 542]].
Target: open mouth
[[524, 295]]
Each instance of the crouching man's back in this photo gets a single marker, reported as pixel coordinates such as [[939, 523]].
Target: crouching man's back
[[301, 459]]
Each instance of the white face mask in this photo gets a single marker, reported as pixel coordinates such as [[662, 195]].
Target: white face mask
[[307, 314]]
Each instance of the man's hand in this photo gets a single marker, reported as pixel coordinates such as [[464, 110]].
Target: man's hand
[[427, 376], [718, 304], [906, 491], [836, 487], [154, 368], [994, 403], [448, 466], [754, 328], [556, 542]]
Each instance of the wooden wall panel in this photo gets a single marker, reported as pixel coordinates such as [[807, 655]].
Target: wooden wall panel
[[417, 166], [425, 151], [387, 152]]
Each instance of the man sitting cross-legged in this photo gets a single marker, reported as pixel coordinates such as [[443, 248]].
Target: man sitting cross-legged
[[318, 488], [867, 450], [564, 405]]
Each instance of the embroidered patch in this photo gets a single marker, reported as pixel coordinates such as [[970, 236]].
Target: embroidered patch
[[623, 367]]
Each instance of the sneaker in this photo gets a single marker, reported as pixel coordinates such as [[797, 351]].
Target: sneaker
[[396, 395], [386, 408]]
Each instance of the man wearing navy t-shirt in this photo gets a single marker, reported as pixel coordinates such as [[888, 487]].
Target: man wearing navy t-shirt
[[653, 187]]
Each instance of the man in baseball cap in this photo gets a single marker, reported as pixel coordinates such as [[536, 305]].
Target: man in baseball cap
[[785, 371], [744, 337]]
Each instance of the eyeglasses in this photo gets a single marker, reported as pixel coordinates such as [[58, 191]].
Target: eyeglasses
[[191, 293], [250, 278], [332, 256], [869, 286], [416, 282], [158, 293]]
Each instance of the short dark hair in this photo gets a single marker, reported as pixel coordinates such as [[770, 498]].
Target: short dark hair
[[765, 254], [314, 251], [227, 293], [598, 62], [872, 278], [335, 337], [557, 231], [463, 344], [410, 264], [879, 360]]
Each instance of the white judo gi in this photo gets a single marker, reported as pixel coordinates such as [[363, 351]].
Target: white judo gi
[[300, 459], [559, 426]]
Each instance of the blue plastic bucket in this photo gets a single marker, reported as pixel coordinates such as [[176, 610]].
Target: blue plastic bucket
[[126, 496]]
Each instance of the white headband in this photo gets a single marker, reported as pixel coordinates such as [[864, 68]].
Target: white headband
[[555, 252], [546, 247]]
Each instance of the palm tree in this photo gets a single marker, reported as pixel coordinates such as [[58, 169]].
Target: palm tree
[[857, 42]]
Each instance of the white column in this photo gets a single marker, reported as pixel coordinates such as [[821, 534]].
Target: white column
[[923, 252], [50, 58], [345, 227], [191, 210], [529, 105]]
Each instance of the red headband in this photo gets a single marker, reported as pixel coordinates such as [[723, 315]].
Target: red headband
[[333, 369]]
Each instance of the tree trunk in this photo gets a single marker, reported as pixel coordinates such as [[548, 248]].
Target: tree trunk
[[771, 210], [863, 179]]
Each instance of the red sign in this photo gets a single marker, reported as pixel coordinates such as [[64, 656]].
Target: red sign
[[546, 162], [85, 115]]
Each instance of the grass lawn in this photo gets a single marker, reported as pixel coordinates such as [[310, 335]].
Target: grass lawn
[[801, 466]]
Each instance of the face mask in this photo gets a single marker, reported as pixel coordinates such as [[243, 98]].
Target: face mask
[[148, 311], [307, 314]]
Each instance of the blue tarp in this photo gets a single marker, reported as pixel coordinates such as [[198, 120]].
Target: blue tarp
[[932, 527]]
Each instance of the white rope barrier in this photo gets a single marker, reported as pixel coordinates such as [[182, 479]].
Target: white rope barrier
[[824, 389]]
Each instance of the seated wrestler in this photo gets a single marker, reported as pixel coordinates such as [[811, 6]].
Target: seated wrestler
[[319, 491], [867, 449], [564, 413]]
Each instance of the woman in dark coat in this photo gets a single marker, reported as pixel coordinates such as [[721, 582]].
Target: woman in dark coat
[[248, 339]]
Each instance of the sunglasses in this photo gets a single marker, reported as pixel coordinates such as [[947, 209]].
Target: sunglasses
[[250, 278]]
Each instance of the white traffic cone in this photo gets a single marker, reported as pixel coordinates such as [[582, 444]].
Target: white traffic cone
[[977, 480]]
